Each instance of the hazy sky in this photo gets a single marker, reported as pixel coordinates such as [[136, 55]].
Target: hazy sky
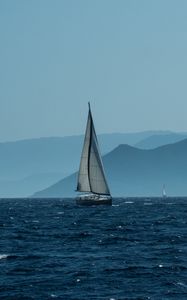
[[129, 58]]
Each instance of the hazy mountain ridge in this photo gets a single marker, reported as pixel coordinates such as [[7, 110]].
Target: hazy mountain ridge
[[158, 140], [26, 186], [135, 172], [34, 164], [19, 159]]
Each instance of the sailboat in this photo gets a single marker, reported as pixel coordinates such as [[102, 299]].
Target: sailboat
[[91, 176], [164, 195]]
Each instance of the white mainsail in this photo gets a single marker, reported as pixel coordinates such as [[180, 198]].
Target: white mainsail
[[91, 177]]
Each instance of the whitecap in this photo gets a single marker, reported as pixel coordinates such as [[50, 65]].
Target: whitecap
[[182, 284], [3, 256], [129, 202]]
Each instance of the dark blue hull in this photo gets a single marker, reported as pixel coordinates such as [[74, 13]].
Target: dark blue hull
[[90, 201]]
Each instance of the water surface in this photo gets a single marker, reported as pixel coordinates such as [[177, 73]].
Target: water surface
[[52, 248]]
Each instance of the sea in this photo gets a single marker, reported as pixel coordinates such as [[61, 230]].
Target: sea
[[54, 249]]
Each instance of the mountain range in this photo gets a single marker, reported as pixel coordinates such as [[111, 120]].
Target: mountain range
[[136, 172], [157, 140], [31, 165]]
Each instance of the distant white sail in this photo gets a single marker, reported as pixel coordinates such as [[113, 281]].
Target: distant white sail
[[164, 195], [91, 177]]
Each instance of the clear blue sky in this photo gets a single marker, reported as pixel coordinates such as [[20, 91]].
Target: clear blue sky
[[129, 58]]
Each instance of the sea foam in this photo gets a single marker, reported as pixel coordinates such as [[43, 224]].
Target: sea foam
[[3, 256]]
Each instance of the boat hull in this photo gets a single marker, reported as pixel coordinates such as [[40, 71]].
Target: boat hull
[[90, 201]]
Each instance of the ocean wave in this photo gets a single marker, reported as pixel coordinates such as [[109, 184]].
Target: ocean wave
[[138, 252], [3, 256]]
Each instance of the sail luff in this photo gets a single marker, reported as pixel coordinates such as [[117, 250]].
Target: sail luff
[[89, 149]]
